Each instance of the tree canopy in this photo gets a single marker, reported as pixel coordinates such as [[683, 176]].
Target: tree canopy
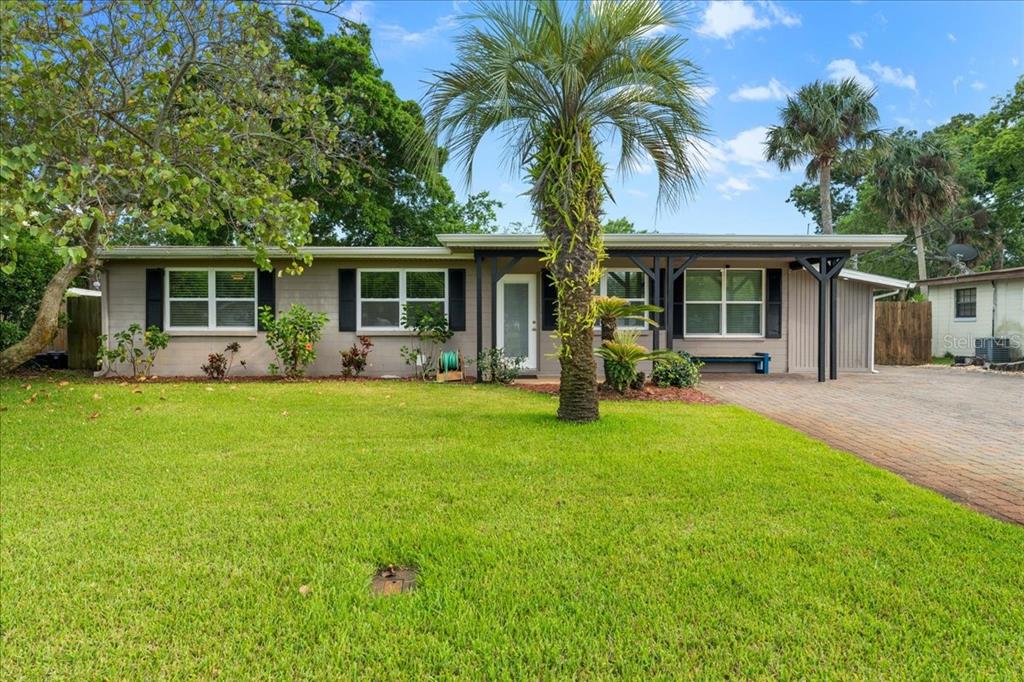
[[395, 199], [159, 118]]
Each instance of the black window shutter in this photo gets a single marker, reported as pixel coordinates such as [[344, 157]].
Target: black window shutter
[[346, 299], [155, 298], [678, 306], [773, 313], [548, 302], [457, 300], [266, 292]]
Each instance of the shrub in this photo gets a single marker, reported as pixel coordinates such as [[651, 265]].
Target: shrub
[[218, 365], [680, 370], [353, 360], [493, 366], [293, 337], [135, 346], [432, 330], [10, 334], [621, 356]]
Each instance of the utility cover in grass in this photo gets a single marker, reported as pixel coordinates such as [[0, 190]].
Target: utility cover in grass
[[394, 580]]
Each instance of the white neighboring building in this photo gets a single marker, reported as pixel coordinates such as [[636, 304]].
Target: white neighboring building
[[969, 307]]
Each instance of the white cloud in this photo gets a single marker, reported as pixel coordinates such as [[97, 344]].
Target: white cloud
[[637, 193], [780, 15], [747, 148], [1015, 61], [644, 169], [759, 93], [904, 121], [956, 83], [358, 11], [705, 92], [977, 85], [839, 69], [393, 33], [733, 187], [723, 19], [857, 39], [893, 76], [951, 38]]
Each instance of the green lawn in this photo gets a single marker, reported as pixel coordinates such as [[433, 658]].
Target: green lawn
[[168, 537]]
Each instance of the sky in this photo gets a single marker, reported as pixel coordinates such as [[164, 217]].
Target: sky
[[928, 61]]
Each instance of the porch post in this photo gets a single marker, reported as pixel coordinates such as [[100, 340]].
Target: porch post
[[669, 303], [478, 257], [656, 342], [833, 340], [494, 302], [822, 283]]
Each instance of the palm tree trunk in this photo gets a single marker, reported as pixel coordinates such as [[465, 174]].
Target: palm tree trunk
[[567, 194], [45, 326], [825, 193], [922, 264], [607, 334]]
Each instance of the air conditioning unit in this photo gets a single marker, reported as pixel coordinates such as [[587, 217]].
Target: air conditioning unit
[[993, 349]]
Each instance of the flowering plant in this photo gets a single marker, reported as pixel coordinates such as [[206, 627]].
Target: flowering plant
[[292, 336]]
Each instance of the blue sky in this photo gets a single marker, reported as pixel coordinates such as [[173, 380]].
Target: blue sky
[[929, 61]]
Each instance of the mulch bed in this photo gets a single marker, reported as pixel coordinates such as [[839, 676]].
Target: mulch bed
[[647, 393]]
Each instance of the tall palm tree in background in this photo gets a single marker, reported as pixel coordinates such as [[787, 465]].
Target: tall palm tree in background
[[822, 123], [915, 183], [556, 83]]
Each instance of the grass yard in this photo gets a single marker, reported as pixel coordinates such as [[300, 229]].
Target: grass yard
[[166, 534]]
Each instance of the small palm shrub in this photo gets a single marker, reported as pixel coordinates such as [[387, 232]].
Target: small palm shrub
[[621, 356], [679, 370]]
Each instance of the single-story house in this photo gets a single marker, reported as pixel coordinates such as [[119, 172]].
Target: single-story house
[[982, 305], [724, 296]]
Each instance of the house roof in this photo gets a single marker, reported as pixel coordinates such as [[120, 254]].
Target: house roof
[[460, 246], [880, 281], [1005, 273], [856, 243], [241, 252]]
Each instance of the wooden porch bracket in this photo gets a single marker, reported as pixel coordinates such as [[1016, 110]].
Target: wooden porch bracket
[[825, 274]]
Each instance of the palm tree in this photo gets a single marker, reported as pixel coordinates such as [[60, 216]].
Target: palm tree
[[610, 309], [821, 123], [915, 183], [555, 83]]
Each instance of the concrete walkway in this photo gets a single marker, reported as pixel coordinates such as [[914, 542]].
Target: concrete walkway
[[959, 432]]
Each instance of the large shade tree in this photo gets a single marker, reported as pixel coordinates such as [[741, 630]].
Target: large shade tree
[[178, 116], [822, 123], [556, 81]]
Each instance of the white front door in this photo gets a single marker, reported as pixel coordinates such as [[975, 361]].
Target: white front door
[[517, 317]]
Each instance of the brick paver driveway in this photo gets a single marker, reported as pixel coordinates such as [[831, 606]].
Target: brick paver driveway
[[956, 431]]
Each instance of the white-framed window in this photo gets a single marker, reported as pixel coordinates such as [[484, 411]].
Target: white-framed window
[[383, 293], [210, 298], [630, 284], [724, 302], [965, 304]]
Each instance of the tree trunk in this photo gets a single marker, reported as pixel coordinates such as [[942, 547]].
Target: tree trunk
[[922, 264], [607, 334], [568, 185], [825, 192], [45, 326]]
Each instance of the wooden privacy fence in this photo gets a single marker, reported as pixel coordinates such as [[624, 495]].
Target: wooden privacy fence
[[903, 332], [83, 331]]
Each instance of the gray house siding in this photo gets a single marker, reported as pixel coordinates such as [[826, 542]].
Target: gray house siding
[[317, 289]]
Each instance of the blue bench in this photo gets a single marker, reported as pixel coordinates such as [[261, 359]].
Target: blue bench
[[761, 361]]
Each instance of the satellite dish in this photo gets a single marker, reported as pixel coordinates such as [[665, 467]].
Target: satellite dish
[[964, 253]]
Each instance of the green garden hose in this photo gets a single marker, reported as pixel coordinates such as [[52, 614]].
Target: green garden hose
[[449, 361]]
